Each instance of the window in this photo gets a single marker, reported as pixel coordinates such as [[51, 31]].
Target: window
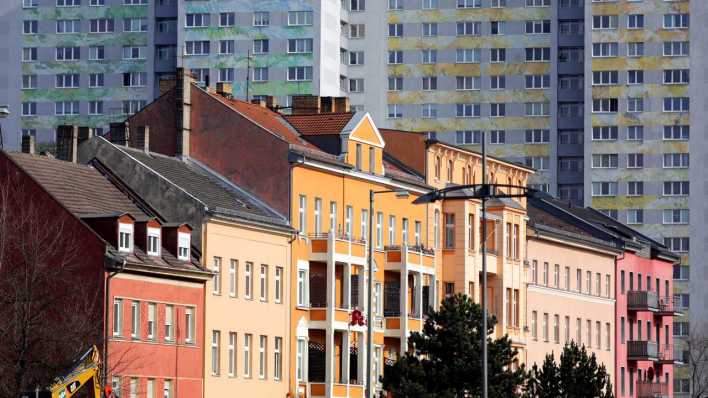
[[676, 48], [29, 109], [169, 313], [263, 283], [428, 111], [635, 76], [262, 18], [497, 82], [469, 3], [262, 357], [197, 47], [467, 110], [538, 3], [260, 74], [604, 49], [304, 46], [635, 104], [635, 160], [605, 188], [247, 355], [497, 27], [68, 26], [467, 55], [97, 53], [635, 21], [135, 25], [676, 76], [635, 133], [96, 80], [497, 136], [96, 108], [395, 30], [29, 3], [395, 57], [216, 269], [215, 351], [348, 220], [261, 46], [278, 358], [676, 104], [468, 137], [429, 29], [429, 56], [300, 18], [556, 329], [675, 216], [404, 232], [102, 25], [29, 27], [197, 20], [430, 4], [534, 325], [29, 54], [680, 244], [68, 54], [248, 285], [676, 188], [538, 27], [152, 308], [232, 354], [357, 31], [300, 73], [189, 325], [566, 278], [537, 81], [300, 359], [539, 163], [117, 317], [538, 54], [430, 83], [135, 319], [67, 80], [605, 105], [675, 21], [545, 326], [536, 109], [135, 79], [498, 3], [135, 2], [496, 55], [545, 274], [469, 28], [635, 188], [604, 22], [635, 49], [468, 82], [675, 160], [681, 272], [449, 231], [604, 133], [302, 288]]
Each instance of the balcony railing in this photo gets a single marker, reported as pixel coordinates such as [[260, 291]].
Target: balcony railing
[[642, 350], [646, 389], [668, 306], [668, 354], [642, 300]]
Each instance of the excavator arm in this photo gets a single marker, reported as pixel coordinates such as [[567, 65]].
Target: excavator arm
[[86, 370]]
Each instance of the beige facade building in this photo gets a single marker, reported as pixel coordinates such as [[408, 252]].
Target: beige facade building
[[570, 289]]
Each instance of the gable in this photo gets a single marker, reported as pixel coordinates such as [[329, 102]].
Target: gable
[[366, 132]]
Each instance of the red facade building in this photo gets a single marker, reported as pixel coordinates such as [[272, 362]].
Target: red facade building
[[139, 273]]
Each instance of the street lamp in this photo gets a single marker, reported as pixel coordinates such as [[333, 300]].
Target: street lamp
[[4, 112], [400, 194], [484, 192]]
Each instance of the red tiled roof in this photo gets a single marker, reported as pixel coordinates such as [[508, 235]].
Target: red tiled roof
[[319, 123], [79, 188]]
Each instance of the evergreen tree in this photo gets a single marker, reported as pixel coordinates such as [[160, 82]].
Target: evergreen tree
[[445, 358], [577, 376]]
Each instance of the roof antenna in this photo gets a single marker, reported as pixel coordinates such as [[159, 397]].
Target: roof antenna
[[248, 76]]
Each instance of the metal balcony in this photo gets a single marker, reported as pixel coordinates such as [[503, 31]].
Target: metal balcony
[[646, 389], [668, 307], [668, 355], [642, 300], [642, 350]]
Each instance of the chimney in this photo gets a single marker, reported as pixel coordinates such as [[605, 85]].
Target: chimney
[[120, 133], [85, 134], [341, 104], [183, 94], [271, 102], [28, 144], [259, 102], [143, 138], [67, 143], [224, 89], [304, 104]]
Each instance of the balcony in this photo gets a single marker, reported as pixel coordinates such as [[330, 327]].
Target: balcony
[[669, 354], [646, 389], [642, 300], [347, 246], [668, 307], [642, 351]]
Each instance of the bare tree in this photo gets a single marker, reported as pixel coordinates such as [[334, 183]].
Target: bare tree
[[51, 304], [697, 360]]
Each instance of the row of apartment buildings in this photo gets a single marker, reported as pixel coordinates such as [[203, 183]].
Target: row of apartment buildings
[[244, 233], [594, 95]]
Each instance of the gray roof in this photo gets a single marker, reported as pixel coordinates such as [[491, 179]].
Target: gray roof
[[216, 193]]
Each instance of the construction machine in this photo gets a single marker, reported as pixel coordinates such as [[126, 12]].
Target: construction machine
[[85, 371]]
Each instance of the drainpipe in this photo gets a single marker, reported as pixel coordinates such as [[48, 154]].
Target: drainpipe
[[117, 264]]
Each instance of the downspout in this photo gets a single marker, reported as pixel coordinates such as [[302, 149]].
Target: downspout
[[111, 263]]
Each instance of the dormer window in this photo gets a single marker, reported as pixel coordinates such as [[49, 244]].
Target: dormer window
[[153, 242], [183, 243], [358, 157], [372, 160], [125, 237]]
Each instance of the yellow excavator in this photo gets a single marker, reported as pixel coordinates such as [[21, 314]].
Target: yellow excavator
[[85, 371]]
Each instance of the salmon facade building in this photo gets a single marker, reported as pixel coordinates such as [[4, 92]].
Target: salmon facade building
[[316, 167]]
